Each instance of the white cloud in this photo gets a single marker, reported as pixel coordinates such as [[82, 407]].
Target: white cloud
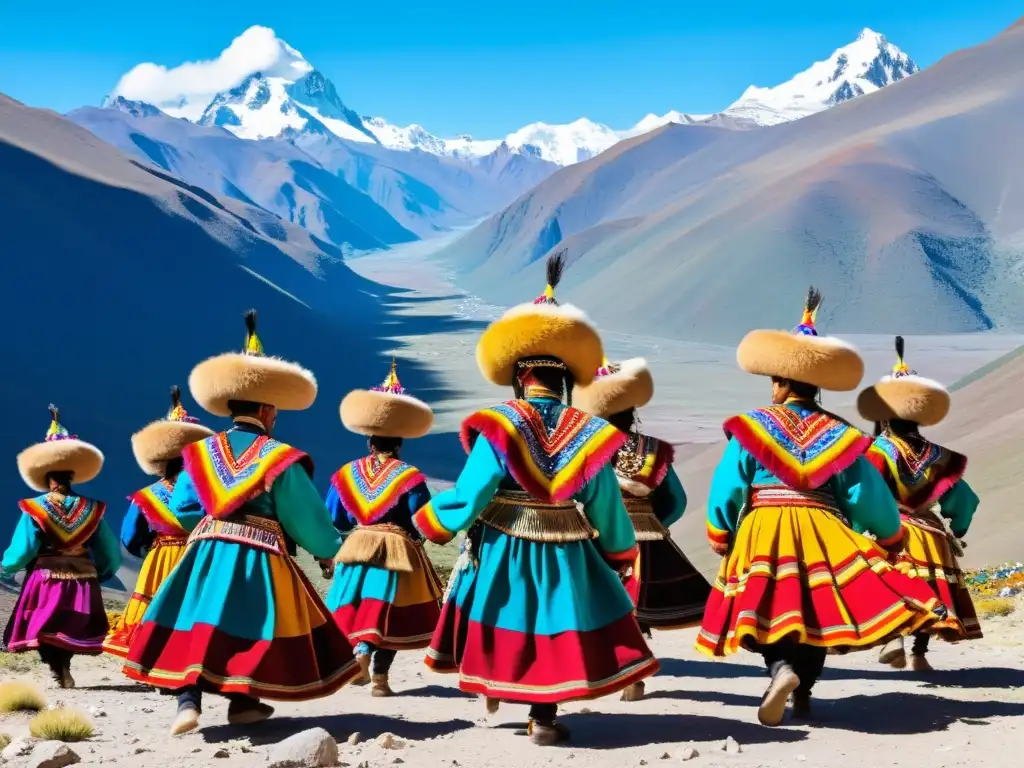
[[186, 90]]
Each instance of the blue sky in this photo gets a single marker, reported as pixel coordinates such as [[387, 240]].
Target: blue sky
[[485, 68]]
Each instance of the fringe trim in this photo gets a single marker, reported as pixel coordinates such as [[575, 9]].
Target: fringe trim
[[646, 525], [382, 546], [67, 567], [523, 517], [257, 532]]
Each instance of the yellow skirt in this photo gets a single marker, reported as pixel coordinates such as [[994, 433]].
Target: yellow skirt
[[801, 573], [929, 556], [159, 562]]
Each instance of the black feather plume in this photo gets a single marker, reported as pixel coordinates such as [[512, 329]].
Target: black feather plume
[[556, 266], [250, 321], [175, 396], [813, 299], [899, 347]]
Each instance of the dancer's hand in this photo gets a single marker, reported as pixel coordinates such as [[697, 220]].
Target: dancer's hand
[[326, 568]]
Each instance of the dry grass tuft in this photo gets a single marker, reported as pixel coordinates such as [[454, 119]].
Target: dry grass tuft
[[66, 725], [18, 662], [4, 741], [21, 697], [991, 607]]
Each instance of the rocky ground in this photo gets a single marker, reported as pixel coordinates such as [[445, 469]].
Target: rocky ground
[[697, 711]]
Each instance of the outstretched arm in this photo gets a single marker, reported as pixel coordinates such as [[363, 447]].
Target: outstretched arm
[[454, 510], [303, 515], [25, 544], [729, 486]]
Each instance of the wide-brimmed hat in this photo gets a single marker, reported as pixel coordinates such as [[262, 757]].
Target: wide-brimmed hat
[[904, 395], [60, 451], [616, 388], [251, 376], [160, 441], [558, 334], [386, 411], [802, 354]]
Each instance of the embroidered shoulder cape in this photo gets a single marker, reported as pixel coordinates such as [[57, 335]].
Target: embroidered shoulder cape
[[551, 465], [224, 482], [369, 488], [647, 464], [154, 503], [68, 521], [919, 473], [803, 451]]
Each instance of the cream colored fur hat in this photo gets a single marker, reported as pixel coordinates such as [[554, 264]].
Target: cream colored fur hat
[[59, 452]]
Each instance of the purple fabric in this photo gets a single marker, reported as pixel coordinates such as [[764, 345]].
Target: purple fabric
[[64, 613]]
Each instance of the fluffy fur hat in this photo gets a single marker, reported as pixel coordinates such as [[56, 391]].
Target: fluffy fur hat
[[251, 376], [544, 328], [160, 441], [802, 355], [616, 388], [386, 411], [59, 452], [904, 395]]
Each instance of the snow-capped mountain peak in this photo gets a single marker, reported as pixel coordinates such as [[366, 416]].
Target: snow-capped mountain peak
[[867, 64]]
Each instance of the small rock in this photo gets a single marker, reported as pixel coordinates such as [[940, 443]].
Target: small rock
[[17, 748], [97, 712], [196, 751], [355, 738], [665, 756], [133, 740], [689, 753], [398, 760], [221, 753], [314, 748], [731, 746], [642, 762], [141, 750], [146, 710], [388, 741], [52, 754]]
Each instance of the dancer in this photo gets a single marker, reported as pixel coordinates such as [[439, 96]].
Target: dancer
[[669, 593], [535, 613], [789, 502], [927, 482], [386, 596], [237, 616], [67, 549], [149, 528]]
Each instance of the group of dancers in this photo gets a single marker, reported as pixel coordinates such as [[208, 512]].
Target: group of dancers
[[830, 539]]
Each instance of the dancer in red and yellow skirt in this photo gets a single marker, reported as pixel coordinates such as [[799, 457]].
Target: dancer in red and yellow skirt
[[237, 616], [789, 505], [66, 549], [669, 593], [935, 501], [150, 529], [536, 612], [386, 596]]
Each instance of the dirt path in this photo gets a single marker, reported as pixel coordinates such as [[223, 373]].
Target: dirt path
[[968, 714]]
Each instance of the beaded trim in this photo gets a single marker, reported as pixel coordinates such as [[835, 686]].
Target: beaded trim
[[524, 517], [257, 532]]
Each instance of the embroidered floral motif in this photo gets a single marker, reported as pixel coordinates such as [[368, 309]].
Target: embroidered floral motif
[[369, 487], [71, 520]]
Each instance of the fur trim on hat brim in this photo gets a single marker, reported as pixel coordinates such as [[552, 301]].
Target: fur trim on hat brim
[[539, 330], [159, 442], [257, 379], [632, 386], [83, 460], [909, 398], [383, 414], [822, 361]]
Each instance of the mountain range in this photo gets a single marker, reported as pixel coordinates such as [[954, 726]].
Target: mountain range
[[903, 205]]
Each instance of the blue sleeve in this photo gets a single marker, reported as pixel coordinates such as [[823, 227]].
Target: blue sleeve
[[601, 499], [863, 496], [729, 488], [136, 535], [105, 551], [669, 499], [455, 510], [339, 517], [959, 504], [303, 515], [185, 503], [25, 544]]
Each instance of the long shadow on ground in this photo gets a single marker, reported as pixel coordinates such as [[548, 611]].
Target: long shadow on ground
[[602, 731], [339, 726]]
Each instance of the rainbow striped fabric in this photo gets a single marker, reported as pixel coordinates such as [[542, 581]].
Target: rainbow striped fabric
[[154, 501], [70, 520], [369, 488], [225, 482], [802, 449], [920, 473], [550, 465]]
